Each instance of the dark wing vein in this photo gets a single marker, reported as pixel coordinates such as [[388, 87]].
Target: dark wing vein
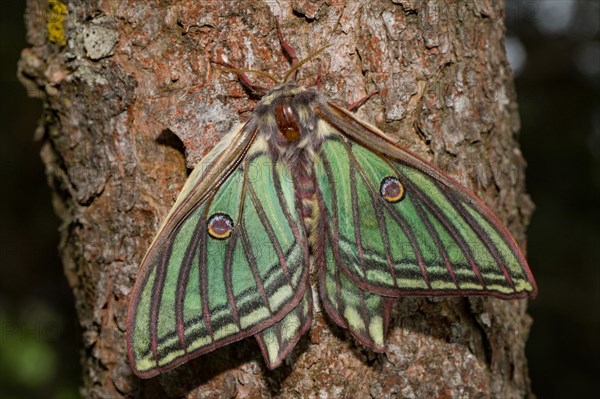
[[300, 239], [157, 290], [356, 217], [270, 232], [203, 275], [182, 282], [485, 238], [254, 268]]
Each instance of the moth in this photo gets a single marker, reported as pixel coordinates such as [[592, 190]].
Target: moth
[[304, 178]]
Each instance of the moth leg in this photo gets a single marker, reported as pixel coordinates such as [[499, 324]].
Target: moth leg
[[255, 89], [288, 50], [319, 81], [354, 106]]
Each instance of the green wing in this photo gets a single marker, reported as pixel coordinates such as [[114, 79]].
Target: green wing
[[365, 314], [230, 261], [401, 227], [277, 341]]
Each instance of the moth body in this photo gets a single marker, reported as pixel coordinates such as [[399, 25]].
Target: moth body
[[287, 121]]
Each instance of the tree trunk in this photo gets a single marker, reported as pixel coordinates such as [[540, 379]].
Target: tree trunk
[[125, 83]]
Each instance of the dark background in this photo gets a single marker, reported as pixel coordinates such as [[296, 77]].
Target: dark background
[[554, 48]]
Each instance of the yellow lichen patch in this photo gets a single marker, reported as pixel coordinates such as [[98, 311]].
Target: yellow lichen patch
[[56, 22]]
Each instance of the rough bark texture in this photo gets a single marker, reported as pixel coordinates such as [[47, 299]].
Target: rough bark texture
[[122, 79]]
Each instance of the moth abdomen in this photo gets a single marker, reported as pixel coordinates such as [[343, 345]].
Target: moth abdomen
[[304, 190]]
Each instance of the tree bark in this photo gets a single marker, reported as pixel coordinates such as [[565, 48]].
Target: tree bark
[[132, 98]]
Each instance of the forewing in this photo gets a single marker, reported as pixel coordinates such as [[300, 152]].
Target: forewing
[[198, 290], [437, 239]]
